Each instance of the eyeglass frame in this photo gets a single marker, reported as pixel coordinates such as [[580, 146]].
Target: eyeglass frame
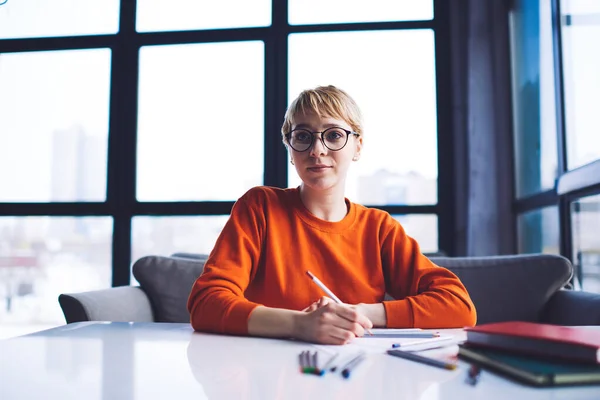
[[312, 138]]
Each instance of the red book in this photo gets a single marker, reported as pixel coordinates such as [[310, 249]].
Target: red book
[[552, 341]]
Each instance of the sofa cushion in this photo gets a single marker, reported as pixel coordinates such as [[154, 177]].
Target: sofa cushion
[[506, 288], [168, 281]]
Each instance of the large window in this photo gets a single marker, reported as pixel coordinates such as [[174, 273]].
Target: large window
[[581, 62], [534, 105], [54, 125], [41, 257], [130, 128], [585, 214], [557, 143], [200, 121], [339, 11], [538, 231], [181, 15], [42, 18], [399, 163]]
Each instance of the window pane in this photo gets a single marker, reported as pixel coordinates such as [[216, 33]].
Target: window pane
[[335, 11], [534, 107], [398, 102], [54, 125], [180, 15], [581, 60], [200, 121], [422, 228], [164, 236], [43, 18], [42, 257], [538, 231], [585, 217]]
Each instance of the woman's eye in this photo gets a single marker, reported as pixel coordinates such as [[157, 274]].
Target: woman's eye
[[302, 137], [334, 136]]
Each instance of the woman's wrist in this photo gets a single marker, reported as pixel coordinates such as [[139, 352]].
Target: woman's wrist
[[375, 312], [274, 322], [296, 325]]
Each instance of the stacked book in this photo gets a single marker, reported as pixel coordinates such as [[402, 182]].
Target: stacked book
[[536, 354]]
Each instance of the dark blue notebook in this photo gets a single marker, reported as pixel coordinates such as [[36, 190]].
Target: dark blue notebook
[[532, 370]]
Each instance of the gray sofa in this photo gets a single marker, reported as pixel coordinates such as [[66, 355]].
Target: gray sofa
[[503, 288]]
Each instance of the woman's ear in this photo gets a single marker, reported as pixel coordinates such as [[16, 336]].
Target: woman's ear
[[290, 153], [359, 145]]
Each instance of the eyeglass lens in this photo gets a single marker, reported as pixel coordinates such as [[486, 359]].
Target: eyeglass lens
[[333, 138]]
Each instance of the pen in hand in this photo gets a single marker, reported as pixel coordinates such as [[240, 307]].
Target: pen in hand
[[329, 292]]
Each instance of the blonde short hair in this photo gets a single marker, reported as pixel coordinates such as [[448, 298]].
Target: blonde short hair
[[325, 101]]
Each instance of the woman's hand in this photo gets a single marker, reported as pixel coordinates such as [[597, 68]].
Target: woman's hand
[[318, 304], [374, 312], [327, 322]]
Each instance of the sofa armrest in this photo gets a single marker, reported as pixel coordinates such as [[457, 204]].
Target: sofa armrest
[[572, 307], [118, 304]]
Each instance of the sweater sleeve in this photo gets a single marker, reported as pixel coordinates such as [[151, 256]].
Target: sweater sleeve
[[428, 296], [216, 302]]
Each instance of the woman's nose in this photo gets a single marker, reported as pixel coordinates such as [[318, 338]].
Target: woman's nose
[[318, 148]]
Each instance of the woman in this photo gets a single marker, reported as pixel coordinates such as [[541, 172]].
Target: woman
[[255, 282]]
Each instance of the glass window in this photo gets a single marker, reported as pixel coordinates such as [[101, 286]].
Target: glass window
[[585, 219], [398, 102], [539, 231], [54, 125], [200, 121], [198, 234], [167, 235], [534, 107], [302, 12], [43, 18], [42, 257], [581, 61], [180, 15], [423, 228]]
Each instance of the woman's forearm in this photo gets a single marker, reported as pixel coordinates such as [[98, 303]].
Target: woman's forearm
[[272, 322]]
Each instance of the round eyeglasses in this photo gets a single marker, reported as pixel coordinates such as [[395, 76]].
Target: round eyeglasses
[[334, 138]]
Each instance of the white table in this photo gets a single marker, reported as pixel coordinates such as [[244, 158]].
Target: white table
[[101, 360]]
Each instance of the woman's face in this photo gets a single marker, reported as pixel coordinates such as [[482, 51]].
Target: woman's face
[[319, 167]]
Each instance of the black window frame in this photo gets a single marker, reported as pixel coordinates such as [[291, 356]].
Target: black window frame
[[121, 203], [571, 184]]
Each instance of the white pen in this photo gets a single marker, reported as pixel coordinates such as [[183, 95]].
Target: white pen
[[324, 288], [328, 292]]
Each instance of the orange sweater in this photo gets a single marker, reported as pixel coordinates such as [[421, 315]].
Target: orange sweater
[[271, 240]]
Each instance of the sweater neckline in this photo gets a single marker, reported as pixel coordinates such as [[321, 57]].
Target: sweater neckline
[[310, 219]]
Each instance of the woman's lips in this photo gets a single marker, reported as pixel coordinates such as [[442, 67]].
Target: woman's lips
[[319, 168]]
